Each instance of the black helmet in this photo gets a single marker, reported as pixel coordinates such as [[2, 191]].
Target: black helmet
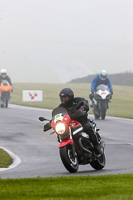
[[66, 92]]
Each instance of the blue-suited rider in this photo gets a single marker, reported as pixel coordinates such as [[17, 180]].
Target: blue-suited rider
[[101, 78]]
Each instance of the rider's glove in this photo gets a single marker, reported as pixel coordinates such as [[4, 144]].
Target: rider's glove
[[111, 92]]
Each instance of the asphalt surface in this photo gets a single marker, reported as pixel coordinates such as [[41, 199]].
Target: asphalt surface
[[22, 133]]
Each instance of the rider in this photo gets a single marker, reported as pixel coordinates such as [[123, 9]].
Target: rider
[[4, 76], [74, 105], [101, 78]]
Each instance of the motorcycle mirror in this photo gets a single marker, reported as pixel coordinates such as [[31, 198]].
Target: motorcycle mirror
[[43, 119]]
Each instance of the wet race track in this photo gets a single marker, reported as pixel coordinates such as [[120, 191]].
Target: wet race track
[[37, 152]]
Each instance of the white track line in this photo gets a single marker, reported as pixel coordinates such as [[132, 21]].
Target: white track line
[[16, 160]]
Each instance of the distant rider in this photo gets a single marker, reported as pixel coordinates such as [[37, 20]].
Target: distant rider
[[4, 76], [78, 104], [101, 78]]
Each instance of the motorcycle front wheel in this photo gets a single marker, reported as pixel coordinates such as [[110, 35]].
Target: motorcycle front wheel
[[103, 115], [6, 103], [69, 161], [103, 110], [5, 99], [96, 116], [99, 163]]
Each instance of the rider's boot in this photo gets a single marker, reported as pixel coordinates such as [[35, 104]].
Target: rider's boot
[[94, 141], [93, 138]]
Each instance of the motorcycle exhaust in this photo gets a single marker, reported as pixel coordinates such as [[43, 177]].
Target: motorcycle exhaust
[[80, 143]]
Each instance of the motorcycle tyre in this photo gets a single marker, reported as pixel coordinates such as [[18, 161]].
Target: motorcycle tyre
[[103, 114], [103, 108], [99, 163], [96, 116], [6, 104], [5, 98], [95, 111], [69, 165], [2, 105]]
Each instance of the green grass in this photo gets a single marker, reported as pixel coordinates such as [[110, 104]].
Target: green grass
[[108, 187], [5, 159], [121, 104]]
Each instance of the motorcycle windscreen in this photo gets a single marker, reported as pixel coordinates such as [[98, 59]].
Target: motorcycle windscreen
[[59, 110], [102, 87]]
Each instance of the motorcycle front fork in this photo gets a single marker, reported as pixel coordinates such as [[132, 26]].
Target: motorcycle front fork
[[72, 146]]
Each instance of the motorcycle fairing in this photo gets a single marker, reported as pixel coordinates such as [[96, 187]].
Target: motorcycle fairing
[[66, 119], [66, 142], [5, 87], [102, 94]]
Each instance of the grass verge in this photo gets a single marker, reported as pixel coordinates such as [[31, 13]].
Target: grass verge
[[5, 159], [108, 187]]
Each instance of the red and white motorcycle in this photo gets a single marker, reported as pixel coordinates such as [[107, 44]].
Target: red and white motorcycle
[[75, 147], [101, 101]]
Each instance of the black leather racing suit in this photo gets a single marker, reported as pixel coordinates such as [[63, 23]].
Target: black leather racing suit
[[82, 104]]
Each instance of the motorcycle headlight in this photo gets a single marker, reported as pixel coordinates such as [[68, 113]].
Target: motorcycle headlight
[[60, 128]]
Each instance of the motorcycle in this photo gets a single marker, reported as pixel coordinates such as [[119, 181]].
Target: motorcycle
[[100, 101], [5, 90], [75, 147]]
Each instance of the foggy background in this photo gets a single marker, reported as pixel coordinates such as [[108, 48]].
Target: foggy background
[[55, 41]]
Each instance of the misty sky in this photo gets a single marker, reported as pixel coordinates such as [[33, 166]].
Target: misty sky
[[58, 40]]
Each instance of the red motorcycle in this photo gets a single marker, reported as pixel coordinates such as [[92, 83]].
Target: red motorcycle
[[75, 147]]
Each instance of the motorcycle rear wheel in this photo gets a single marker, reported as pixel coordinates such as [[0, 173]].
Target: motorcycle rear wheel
[[99, 163], [70, 162]]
